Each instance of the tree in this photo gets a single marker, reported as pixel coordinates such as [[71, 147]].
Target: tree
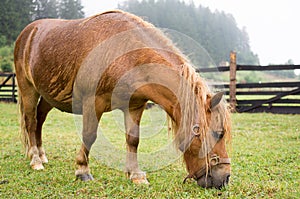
[[6, 58], [3, 40], [217, 32], [65, 9], [290, 62], [14, 16], [45, 9], [70, 9]]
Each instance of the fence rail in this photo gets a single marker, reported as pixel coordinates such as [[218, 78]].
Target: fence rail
[[8, 87], [276, 92], [249, 68]]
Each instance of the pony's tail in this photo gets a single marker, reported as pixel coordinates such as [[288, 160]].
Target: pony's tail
[[23, 131]]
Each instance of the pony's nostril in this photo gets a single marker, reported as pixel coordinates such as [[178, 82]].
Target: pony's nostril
[[227, 178]]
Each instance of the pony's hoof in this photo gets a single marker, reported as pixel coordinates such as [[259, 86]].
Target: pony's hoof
[[139, 178], [36, 162], [37, 167], [140, 181], [44, 159], [84, 177]]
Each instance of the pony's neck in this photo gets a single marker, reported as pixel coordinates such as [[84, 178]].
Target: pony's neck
[[169, 102], [185, 102], [181, 93]]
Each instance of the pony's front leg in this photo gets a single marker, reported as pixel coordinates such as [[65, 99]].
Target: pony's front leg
[[132, 123], [89, 135]]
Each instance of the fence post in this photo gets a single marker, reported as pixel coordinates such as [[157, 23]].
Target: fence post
[[232, 85], [13, 88]]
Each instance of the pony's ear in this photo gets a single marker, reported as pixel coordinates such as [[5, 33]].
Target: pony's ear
[[216, 99]]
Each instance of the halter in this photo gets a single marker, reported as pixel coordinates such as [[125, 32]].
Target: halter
[[213, 161]]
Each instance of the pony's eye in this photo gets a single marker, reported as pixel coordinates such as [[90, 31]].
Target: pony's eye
[[218, 134]]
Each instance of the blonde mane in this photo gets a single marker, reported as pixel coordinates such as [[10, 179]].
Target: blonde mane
[[193, 94]]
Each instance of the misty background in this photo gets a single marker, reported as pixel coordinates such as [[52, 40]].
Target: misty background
[[216, 30]]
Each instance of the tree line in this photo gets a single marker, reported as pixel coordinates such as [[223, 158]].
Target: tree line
[[217, 32], [16, 14]]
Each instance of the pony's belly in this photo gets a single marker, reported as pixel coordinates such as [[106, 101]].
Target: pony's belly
[[57, 94], [65, 106]]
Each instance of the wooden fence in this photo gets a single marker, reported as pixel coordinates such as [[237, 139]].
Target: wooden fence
[[8, 87], [278, 97], [271, 97]]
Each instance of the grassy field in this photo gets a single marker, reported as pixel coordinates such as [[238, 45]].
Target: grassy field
[[265, 161]]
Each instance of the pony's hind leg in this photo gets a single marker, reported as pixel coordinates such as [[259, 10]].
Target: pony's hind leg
[[132, 125], [43, 109], [28, 107]]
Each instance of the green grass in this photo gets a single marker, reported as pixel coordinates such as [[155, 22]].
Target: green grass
[[265, 160]]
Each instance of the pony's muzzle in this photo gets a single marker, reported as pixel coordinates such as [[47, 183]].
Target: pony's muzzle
[[208, 181]]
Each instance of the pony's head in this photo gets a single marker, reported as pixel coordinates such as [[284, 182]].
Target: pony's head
[[203, 132], [205, 153]]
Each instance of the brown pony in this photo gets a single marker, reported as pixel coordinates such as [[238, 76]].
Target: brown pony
[[115, 60]]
